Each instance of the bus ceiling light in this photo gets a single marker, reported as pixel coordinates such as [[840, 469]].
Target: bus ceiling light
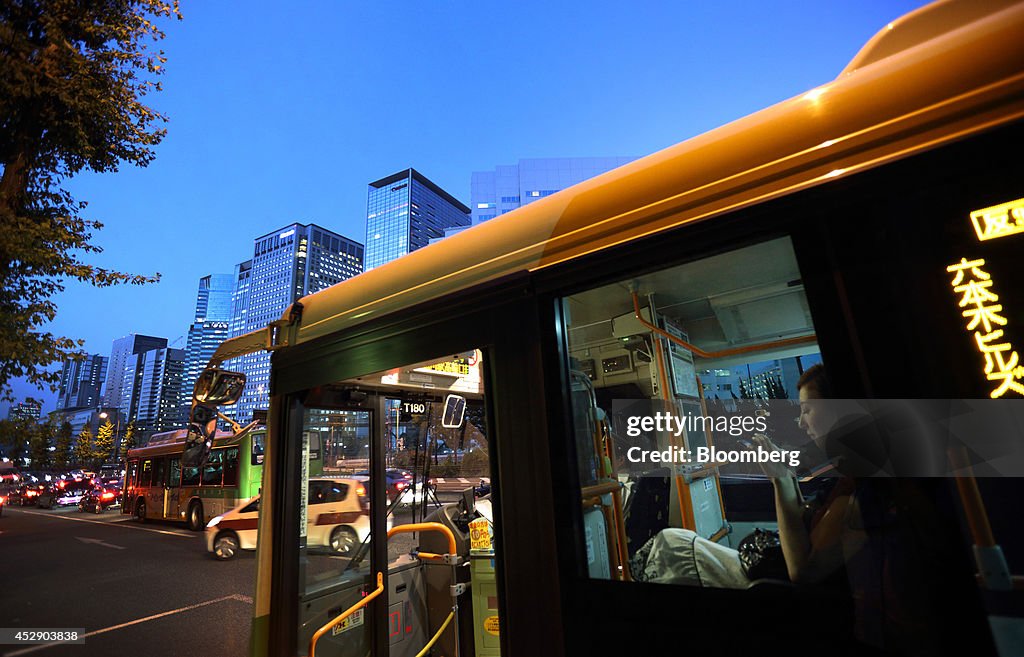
[[834, 173]]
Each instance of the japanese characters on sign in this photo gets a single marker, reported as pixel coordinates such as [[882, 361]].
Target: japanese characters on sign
[[981, 307], [999, 220]]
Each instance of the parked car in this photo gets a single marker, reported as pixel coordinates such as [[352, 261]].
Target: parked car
[[100, 498], [63, 492], [337, 518]]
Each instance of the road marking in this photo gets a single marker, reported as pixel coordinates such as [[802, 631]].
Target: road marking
[[97, 541], [113, 524], [234, 596]]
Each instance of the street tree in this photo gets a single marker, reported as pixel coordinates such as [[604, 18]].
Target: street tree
[[62, 446], [127, 441], [104, 444], [82, 454], [39, 445], [14, 436], [73, 78]]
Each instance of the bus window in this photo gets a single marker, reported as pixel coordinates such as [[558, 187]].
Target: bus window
[[699, 404], [213, 471], [174, 472], [667, 371], [231, 466], [160, 471], [190, 477], [146, 476], [257, 447]]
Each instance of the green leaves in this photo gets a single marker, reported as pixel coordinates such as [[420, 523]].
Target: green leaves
[[71, 78]]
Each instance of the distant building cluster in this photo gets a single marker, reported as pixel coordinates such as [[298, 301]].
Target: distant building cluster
[[147, 383]]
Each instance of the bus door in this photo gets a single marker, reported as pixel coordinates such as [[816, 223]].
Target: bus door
[[335, 538], [172, 489], [156, 488], [391, 435]]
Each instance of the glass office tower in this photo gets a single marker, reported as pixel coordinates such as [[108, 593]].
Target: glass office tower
[[404, 211], [208, 329], [81, 381], [287, 264]]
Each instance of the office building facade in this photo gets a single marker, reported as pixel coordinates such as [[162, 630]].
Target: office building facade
[[120, 390], [209, 328], [287, 264], [159, 380], [507, 187], [81, 382], [404, 211], [26, 411]]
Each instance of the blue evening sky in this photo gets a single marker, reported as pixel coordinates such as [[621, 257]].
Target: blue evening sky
[[283, 112]]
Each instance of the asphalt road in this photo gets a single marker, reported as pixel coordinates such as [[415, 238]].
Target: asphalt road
[[136, 589], [147, 589]]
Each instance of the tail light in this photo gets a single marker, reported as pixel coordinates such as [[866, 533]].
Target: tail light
[[364, 501], [107, 496], [61, 485], [400, 485]]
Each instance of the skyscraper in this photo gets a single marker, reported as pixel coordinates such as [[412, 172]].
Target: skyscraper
[[404, 211], [287, 264], [81, 381], [493, 193], [27, 410], [159, 383], [114, 395], [208, 330]]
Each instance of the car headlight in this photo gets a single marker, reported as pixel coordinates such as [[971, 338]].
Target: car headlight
[[213, 522]]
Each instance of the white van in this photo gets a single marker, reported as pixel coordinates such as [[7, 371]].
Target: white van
[[338, 518]]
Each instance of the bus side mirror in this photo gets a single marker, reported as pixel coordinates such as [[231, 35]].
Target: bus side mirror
[[213, 388], [218, 387], [454, 411]]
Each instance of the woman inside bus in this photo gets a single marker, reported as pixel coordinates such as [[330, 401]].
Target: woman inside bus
[[809, 535], [879, 538]]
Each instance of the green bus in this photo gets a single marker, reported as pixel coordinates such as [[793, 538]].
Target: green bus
[[157, 487]]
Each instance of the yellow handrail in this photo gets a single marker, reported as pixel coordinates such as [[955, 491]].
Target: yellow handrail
[[437, 635], [426, 527], [345, 614]]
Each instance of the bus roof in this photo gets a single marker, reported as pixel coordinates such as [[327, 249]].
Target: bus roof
[[172, 442], [941, 73]]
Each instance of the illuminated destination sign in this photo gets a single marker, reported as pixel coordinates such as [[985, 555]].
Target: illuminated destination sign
[[458, 367], [981, 307], [999, 220], [985, 315]]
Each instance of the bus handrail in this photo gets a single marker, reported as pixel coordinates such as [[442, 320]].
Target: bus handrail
[[345, 614], [437, 635], [426, 527], [787, 342]]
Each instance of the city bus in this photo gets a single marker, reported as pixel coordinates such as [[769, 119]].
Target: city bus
[[158, 487], [873, 226]]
